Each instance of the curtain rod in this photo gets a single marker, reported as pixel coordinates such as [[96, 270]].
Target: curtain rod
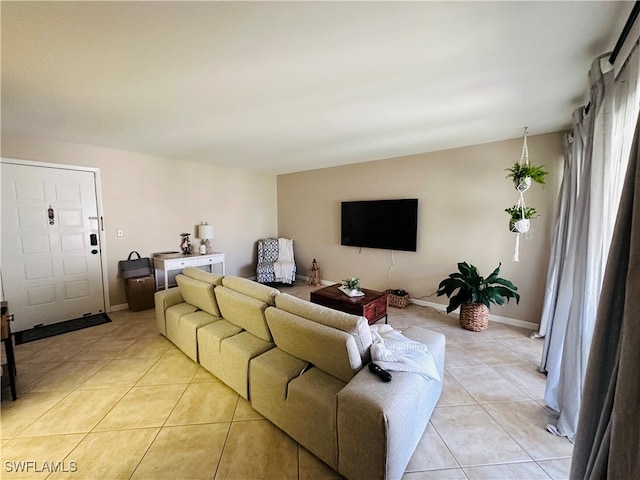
[[625, 32]]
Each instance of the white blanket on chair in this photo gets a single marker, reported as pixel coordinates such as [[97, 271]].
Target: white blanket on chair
[[284, 266], [394, 352]]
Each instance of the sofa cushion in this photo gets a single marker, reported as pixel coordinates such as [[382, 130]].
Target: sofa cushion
[[209, 339], [302, 404], [174, 312], [356, 326], [270, 374], [203, 276], [226, 350], [198, 293], [252, 289], [329, 349], [236, 353], [183, 331], [244, 311], [164, 299]]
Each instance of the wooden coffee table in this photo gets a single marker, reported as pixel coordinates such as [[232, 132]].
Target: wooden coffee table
[[372, 306]]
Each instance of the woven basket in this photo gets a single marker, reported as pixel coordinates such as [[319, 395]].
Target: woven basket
[[474, 316], [397, 300]]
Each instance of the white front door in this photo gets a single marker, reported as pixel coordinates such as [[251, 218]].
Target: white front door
[[51, 259]]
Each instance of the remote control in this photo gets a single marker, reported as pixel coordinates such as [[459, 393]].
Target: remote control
[[383, 374]]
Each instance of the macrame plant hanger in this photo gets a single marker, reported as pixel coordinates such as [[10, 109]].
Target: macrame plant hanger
[[521, 185]]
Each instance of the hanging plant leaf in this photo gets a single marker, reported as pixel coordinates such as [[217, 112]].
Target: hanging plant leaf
[[520, 171], [518, 212]]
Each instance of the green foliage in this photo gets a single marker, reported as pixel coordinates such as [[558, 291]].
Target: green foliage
[[467, 286], [516, 212], [351, 283], [522, 170]]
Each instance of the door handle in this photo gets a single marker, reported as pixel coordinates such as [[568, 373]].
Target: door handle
[[93, 239]]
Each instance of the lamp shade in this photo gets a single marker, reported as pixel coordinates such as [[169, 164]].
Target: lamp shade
[[206, 231]]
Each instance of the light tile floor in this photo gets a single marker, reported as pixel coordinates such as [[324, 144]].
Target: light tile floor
[[120, 401]]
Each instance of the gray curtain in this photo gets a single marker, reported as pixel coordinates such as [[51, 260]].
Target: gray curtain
[[596, 157], [573, 156], [608, 438], [571, 320]]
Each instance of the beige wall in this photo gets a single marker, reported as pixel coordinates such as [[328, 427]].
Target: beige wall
[[462, 196], [154, 199]]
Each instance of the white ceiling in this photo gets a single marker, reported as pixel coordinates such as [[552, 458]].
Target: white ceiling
[[286, 86]]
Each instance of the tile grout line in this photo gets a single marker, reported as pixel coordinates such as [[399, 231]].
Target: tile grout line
[[226, 439]]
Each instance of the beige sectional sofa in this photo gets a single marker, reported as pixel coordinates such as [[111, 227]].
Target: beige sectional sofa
[[301, 366]]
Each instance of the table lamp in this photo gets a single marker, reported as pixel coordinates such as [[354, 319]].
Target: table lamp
[[206, 232]]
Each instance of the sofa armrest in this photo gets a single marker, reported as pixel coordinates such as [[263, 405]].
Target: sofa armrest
[[164, 299], [380, 424]]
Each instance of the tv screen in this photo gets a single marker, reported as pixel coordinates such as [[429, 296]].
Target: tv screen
[[388, 224]]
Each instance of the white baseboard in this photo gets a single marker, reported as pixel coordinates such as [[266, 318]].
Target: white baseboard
[[118, 308], [322, 282], [495, 318]]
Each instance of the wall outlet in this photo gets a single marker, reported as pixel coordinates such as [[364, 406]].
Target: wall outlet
[[120, 232]]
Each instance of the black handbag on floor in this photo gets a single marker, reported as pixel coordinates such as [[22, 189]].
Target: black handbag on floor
[[138, 267]]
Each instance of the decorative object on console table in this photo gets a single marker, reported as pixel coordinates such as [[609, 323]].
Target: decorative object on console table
[[206, 232], [398, 298], [475, 294], [314, 273], [185, 244]]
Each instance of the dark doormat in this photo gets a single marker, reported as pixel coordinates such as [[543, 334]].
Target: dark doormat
[[45, 331]]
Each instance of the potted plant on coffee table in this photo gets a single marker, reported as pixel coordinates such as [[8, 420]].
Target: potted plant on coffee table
[[523, 174], [474, 294], [351, 287]]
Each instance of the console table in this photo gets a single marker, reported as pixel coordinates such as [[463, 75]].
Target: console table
[[372, 306], [171, 262]]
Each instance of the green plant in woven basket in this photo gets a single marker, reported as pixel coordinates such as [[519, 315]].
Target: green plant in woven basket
[[468, 286]]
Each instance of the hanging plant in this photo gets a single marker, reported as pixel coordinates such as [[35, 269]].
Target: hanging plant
[[520, 216], [523, 173]]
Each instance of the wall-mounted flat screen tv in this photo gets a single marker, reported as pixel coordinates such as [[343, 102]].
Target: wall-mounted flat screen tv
[[387, 224]]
